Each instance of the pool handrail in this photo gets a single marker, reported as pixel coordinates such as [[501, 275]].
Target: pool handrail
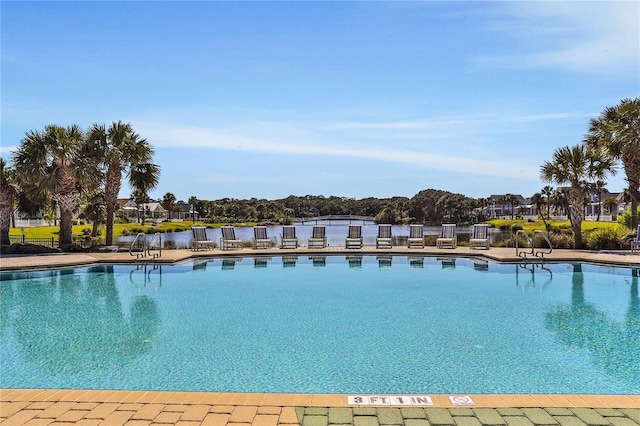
[[143, 242], [150, 247], [532, 248]]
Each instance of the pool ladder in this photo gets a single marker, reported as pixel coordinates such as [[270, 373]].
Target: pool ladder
[[140, 248], [538, 253]]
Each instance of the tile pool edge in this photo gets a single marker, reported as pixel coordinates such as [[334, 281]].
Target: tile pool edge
[[309, 400]]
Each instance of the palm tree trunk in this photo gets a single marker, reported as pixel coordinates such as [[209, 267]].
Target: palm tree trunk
[[6, 213], [67, 203], [111, 190], [576, 213], [632, 169]]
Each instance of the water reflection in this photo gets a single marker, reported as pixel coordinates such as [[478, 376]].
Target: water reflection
[[318, 261], [354, 261], [384, 262], [70, 323], [530, 276], [612, 344], [289, 261], [260, 262]]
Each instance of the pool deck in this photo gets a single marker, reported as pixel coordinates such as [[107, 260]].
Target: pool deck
[[99, 407]]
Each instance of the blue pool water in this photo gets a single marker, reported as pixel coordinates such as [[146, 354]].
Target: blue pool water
[[332, 325]]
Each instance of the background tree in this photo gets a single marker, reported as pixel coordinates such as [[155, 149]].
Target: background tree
[[120, 150], [168, 203], [617, 130], [54, 165], [576, 166], [611, 205], [547, 192], [95, 211], [7, 197], [538, 200]]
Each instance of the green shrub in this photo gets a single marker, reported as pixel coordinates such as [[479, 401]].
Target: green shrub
[[604, 238], [516, 227], [625, 218], [562, 240]]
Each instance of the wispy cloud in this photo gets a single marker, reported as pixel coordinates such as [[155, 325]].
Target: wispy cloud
[[597, 36], [458, 121], [172, 135], [7, 150]]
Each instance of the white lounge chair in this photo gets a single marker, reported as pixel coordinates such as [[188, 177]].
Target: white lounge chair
[[635, 244], [228, 239], [200, 239], [416, 236], [384, 239], [479, 236], [289, 239], [354, 238], [318, 237], [260, 238], [448, 237]]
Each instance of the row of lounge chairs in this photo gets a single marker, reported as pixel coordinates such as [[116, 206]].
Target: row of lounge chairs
[[447, 239]]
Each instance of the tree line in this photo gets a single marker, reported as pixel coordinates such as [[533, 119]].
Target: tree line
[[430, 206]]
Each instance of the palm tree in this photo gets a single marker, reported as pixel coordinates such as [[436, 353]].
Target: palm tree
[[547, 191], [617, 130], [7, 196], [577, 166], [94, 210], [538, 200], [54, 165], [119, 149]]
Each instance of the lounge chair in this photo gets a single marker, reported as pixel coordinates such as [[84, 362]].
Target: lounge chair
[[200, 239], [384, 237], [448, 237], [416, 236], [228, 239], [289, 239], [635, 244], [354, 238], [479, 236], [318, 237], [260, 238]]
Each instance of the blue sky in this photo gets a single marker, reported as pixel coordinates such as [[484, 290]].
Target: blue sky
[[354, 99]]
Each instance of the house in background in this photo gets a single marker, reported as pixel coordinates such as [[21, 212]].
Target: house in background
[[504, 205], [134, 212]]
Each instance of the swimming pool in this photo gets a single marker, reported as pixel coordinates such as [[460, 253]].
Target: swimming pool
[[363, 324]]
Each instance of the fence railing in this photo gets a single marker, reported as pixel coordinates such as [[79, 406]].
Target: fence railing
[[47, 242]]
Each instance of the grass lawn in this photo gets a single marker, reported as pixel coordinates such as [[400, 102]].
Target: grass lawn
[[118, 229], [530, 226], [133, 228]]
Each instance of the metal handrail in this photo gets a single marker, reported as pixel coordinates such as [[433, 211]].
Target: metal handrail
[[541, 253], [532, 249], [157, 236], [523, 253], [133, 243]]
